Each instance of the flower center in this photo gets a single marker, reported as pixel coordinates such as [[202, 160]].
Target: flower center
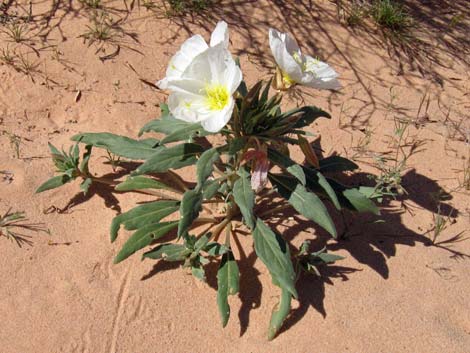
[[288, 81], [217, 96]]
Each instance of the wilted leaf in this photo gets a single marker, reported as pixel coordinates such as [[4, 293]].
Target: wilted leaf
[[308, 151]]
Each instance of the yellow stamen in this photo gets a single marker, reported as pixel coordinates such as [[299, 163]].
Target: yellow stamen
[[288, 81], [217, 96]]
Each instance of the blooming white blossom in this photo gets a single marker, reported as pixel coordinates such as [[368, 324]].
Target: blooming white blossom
[[297, 68], [191, 48], [204, 91]]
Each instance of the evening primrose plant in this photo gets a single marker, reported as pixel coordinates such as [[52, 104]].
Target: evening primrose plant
[[237, 140]]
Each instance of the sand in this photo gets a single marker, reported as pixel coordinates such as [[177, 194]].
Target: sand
[[393, 292]]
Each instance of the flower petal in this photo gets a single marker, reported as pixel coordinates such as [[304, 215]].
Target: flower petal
[[219, 118], [322, 75], [284, 59], [232, 76], [187, 86], [180, 107], [191, 48], [220, 34], [210, 65]]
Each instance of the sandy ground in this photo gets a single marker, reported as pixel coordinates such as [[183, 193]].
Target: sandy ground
[[392, 293]]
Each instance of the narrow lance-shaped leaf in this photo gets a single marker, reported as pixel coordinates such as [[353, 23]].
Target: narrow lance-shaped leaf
[[227, 284], [205, 165], [185, 133], [85, 160], [140, 183], [142, 215], [119, 145], [275, 254], [189, 210], [306, 203], [305, 115], [168, 252], [166, 124], [173, 157], [308, 151], [285, 162], [334, 164], [360, 202], [144, 237], [244, 197], [318, 183], [54, 182], [279, 314], [353, 199], [85, 185]]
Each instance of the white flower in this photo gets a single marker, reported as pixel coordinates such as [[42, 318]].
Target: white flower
[[296, 68], [191, 48], [204, 91]]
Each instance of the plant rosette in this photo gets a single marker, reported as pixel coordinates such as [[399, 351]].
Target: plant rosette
[[207, 96]]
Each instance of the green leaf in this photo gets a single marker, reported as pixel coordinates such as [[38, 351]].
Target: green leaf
[[318, 183], [54, 182], [210, 188], [227, 284], [304, 116], [85, 185], [139, 183], [235, 145], [334, 164], [144, 237], [168, 252], [360, 202], [285, 162], [173, 157], [53, 149], [205, 165], [142, 215], [327, 258], [279, 314], [85, 159], [185, 133], [215, 249], [201, 244], [198, 272], [166, 124], [119, 145], [306, 203], [191, 205], [244, 197], [274, 252]]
